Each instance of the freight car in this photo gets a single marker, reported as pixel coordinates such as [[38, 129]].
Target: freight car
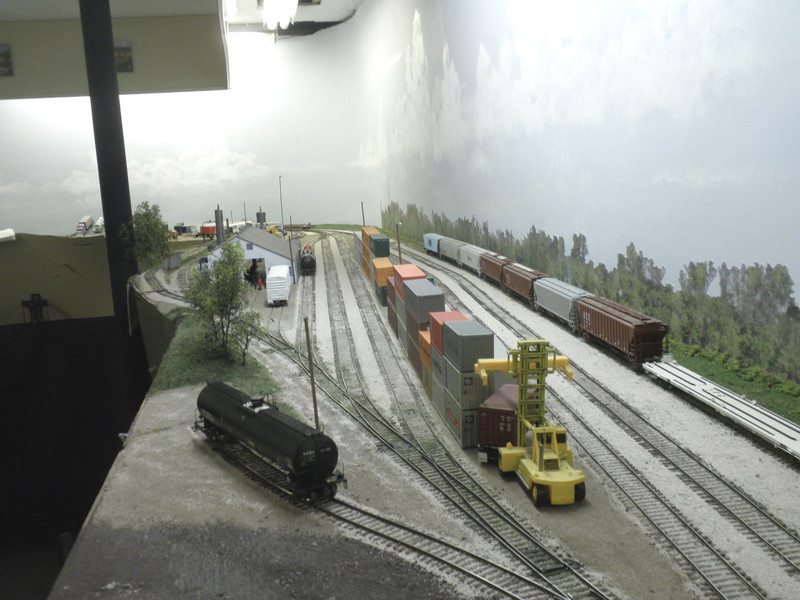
[[308, 263], [637, 336], [519, 279], [305, 455], [492, 267]]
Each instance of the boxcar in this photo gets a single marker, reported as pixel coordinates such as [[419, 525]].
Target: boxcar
[[519, 279], [638, 336], [492, 266], [431, 242], [558, 299], [448, 248], [469, 256]]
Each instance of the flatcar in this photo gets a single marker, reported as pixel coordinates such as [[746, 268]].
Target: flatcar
[[305, 455], [308, 262]]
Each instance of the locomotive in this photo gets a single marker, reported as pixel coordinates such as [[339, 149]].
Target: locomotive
[[305, 455], [308, 263]]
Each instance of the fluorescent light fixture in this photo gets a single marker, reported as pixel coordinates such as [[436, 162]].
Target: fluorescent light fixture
[[279, 12]]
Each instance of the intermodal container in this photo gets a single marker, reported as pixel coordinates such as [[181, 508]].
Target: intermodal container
[[558, 299], [461, 423], [422, 298], [437, 397], [412, 325], [380, 292], [357, 247], [382, 268], [431, 242], [413, 354], [401, 332], [425, 348], [492, 266], [427, 381], [438, 320], [497, 419], [466, 388], [519, 279], [402, 273], [390, 291], [469, 257], [448, 248], [638, 336], [392, 316], [365, 233], [379, 245], [400, 309], [465, 342], [437, 366]]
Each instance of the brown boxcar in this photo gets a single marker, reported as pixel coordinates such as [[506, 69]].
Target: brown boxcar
[[492, 266], [519, 279], [638, 336], [497, 421]]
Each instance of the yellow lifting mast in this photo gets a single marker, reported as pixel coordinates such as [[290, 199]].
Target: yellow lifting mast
[[544, 468]]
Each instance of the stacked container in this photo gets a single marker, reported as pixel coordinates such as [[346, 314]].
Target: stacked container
[[421, 298], [391, 305], [381, 269], [464, 342], [366, 252], [438, 320], [425, 356]]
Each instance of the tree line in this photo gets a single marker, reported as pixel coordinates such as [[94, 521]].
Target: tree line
[[753, 326]]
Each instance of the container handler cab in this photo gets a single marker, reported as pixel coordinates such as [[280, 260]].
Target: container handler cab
[[544, 467]]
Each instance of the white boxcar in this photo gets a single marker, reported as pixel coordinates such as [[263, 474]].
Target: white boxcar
[[448, 248], [469, 256], [559, 299], [279, 282], [431, 242]]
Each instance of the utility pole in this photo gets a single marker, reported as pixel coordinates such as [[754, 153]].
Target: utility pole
[[399, 253]]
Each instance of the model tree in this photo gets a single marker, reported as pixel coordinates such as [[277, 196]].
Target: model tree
[[219, 294], [146, 237]]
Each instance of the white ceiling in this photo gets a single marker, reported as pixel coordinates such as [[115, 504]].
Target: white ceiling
[[248, 13]]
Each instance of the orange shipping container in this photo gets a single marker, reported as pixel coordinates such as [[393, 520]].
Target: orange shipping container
[[425, 348], [365, 233], [382, 268]]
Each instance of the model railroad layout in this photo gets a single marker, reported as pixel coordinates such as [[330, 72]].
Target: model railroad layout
[[411, 433]]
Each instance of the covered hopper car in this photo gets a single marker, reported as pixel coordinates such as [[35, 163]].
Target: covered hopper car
[[305, 455]]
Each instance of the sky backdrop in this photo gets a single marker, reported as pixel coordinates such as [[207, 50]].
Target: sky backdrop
[[673, 125]]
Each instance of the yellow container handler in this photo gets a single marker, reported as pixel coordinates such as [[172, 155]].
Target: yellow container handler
[[544, 467]]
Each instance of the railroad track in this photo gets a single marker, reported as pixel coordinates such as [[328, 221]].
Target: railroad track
[[706, 563], [492, 578]]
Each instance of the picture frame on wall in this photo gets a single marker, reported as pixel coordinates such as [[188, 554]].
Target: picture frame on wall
[[123, 56], [6, 63]]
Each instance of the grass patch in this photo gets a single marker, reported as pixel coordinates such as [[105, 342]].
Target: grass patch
[[779, 402], [190, 360]]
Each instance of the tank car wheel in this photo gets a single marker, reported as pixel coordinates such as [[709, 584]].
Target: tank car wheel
[[329, 492], [580, 491], [541, 497]]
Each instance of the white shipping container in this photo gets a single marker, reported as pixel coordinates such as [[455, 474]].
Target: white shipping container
[[279, 282]]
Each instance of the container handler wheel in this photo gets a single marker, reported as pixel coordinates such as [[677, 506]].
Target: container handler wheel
[[580, 491], [541, 497]]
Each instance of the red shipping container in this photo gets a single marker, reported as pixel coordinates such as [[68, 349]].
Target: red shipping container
[[437, 324], [497, 418], [403, 272]]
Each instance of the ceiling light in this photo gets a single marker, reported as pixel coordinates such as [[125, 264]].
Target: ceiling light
[[278, 12]]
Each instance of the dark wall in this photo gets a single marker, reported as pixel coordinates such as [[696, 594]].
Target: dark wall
[[67, 389]]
